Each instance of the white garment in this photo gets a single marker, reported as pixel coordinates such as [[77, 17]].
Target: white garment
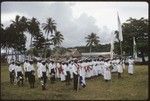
[[119, 67], [107, 73], [11, 67], [38, 66], [114, 63], [57, 70], [41, 69], [71, 70], [130, 67], [25, 66], [63, 73], [30, 68], [18, 69]]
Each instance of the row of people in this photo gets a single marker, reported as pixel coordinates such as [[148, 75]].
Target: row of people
[[78, 70]]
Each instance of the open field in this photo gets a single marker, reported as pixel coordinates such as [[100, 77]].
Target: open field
[[133, 87]]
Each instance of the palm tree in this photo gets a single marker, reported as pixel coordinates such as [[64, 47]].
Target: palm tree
[[92, 40], [57, 38], [33, 28], [20, 26], [49, 26]]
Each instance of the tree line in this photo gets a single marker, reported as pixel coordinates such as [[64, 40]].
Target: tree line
[[13, 37]]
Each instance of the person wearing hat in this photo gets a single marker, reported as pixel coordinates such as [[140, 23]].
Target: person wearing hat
[[31, 75], [42, 74], [12, 72], [25, 66], [130, 67], [19, 74]]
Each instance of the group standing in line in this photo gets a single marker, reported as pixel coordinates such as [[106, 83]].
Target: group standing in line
[[76, 70]]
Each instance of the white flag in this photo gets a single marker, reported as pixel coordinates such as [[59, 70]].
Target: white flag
[[112, 45], [134, 48], [119, 29]]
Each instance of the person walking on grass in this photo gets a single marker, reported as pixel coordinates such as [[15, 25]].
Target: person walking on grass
[[12, 71], [19, 74], [131, 67]]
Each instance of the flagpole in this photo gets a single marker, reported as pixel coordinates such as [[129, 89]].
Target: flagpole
[[120, 47]]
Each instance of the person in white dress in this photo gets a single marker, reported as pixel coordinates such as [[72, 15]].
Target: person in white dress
[[82, 73], [119, 68], [107, 72], [62, 72], [131, 67]]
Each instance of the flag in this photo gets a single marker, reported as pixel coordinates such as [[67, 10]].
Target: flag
[[134, 48], [112, 45], [119, 29]]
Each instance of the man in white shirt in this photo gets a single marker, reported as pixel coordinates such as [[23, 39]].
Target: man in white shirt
[[19, 73], [12, 72], [31, 76], [25, 66], [42, 74], [52, 71]]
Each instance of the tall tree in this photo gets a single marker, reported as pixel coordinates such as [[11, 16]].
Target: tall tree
[[137, 28], [57, 39], [92, 40], [33, 28], [49, 26], [20, 26]]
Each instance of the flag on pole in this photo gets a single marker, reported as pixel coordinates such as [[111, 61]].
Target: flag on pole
[[112, 45], [119, 29], [134, 48]]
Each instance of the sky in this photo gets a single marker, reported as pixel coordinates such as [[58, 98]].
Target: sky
[[76, 20]]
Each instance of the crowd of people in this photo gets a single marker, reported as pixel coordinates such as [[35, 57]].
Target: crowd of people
[[76, 70]]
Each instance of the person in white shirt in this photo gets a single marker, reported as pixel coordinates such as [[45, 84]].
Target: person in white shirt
[[62, 72], [42, 74], [38, 66], [12, 72], [119, 67], [75, 67], [130, 67], [68, 74], [82, 72], [70, 69], [52, 71], [114, 64], [25, 66], [31, 76], [19, 74], [107, 72]]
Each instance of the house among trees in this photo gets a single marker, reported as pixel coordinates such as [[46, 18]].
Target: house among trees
[[74, 53]]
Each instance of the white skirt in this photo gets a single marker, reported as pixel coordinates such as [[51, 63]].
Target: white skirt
[[130, 69], [62, 77], [107, 75]]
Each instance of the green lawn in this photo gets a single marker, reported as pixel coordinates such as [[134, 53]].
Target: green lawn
[[133, 87]]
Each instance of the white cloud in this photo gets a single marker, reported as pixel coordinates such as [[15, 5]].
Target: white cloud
[[76, 20]]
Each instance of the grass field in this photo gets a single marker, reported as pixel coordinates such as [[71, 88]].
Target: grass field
[[133, 87]]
